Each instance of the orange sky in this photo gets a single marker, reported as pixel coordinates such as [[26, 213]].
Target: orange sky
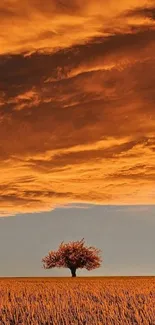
[[77, 103]]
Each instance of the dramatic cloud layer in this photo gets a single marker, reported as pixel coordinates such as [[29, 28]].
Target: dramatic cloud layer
[[77, 103]]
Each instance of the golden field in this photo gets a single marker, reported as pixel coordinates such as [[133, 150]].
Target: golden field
[[77, 301]]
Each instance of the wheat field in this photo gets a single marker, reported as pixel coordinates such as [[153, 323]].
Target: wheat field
[[78, 301]]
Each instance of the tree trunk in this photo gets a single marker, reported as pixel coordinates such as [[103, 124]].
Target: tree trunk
[[73, 272]]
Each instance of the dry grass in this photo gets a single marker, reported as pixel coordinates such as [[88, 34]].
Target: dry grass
[[79, 301]]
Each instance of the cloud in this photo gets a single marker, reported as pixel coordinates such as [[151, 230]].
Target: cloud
[[77, 101], [145, 12], [46, 25]]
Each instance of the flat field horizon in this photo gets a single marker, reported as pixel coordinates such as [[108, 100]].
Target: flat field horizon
[[82, 300], [78, 277]]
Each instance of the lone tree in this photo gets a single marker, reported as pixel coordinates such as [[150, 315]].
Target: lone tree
[[73, 256]]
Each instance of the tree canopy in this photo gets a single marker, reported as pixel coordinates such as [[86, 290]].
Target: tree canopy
[[73, 255]]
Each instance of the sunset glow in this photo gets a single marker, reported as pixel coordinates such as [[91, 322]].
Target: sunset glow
[[77, 103]]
